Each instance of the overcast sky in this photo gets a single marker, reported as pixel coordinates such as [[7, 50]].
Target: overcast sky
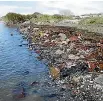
[[78, 7]]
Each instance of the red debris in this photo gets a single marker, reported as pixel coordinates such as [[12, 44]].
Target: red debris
[[74, 38], [49, 44], [92, 55], [37, 51], [92, 65], [100, 45], [101, 41], [79, 34], [81, 47]]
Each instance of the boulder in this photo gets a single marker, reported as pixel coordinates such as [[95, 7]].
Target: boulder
[[34, 83], [55, 72], [19, 92], [99, 79], [59, 52], [35, 29], [72, 45], [76, 80], [62, 36], [64, 42], [81, 56], [71, 56]]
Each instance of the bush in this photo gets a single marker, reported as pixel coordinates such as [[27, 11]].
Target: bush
[[35, 17], [92, 20]]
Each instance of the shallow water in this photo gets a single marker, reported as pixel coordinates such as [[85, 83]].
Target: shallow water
[[19, 64]]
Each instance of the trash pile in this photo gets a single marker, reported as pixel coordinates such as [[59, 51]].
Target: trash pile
[[74, 60]]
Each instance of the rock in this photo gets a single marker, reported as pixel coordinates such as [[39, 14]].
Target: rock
[[35, 29], [70, 64], [55, 72], [62, 89], [86, 42], [26, 23], [71, 45], [11, 34], [81, 56], [76, 79], [59, 52], [64, 42], [20, 45], [62, 36], [37, 51], [34, 83], [64, 56], [64, 72], [46, 41], [19, 92], [41, 34], [71, 56], [23, 30], [24, 43], [99, 79], [82, 66], [74, 38], [68, 50], [26, 73]]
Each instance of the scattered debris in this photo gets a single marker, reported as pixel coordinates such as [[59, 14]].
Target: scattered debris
[[75, 60]]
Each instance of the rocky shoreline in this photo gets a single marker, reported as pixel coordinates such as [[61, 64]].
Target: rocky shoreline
[[74, 58]]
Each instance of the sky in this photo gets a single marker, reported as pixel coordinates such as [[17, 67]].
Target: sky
[[78, 7]]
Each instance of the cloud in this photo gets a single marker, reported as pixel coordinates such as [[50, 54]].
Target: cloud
[[51, 12], [4, 9], [78, 7]]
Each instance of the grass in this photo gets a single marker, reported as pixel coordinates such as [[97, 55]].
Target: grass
[[92, 20]]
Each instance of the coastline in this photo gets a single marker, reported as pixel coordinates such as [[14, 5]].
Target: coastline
[[66, 59]]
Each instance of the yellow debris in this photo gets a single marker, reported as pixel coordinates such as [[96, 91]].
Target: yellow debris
[[101, 65], [34, 39], [55, 72], [41, 34]]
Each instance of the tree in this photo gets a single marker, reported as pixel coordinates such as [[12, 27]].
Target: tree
[[15, 18], [36, 15], [57, 16]]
